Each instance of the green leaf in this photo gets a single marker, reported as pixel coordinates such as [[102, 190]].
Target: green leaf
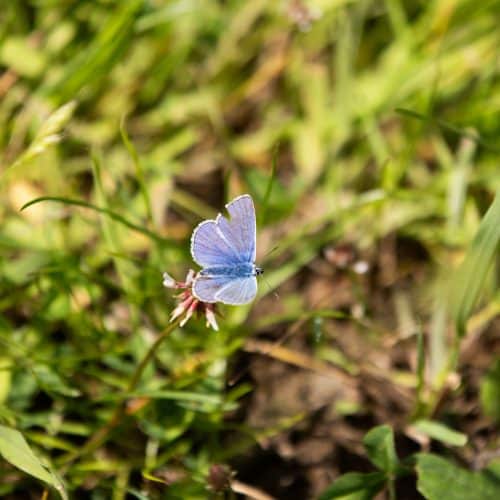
[[52, 382], [355, 486], [5, 377], [173, 422], [379, 445], [439, 479], [15, 449], [441, 432], [490, 392], [19, 55], [473, 270], [193, 397]]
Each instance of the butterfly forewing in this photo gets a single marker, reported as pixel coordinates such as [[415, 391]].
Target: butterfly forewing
[[210, 248], [240, 230]]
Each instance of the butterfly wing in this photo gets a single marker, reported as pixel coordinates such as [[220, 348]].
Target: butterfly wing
[[238, 291], [223, 242], [240, 230], [210, 248], [225, 289], [206, 287]]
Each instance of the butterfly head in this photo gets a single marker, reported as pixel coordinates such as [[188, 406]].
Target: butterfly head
[[259, 271]]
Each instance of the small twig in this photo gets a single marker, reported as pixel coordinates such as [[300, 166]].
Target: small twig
[[249, 491], [7, 80]]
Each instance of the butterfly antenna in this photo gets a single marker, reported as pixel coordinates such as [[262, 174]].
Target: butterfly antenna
[[271, 251], [274, 292]]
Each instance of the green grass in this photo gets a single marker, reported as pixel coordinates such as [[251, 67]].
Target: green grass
[[123, 124]]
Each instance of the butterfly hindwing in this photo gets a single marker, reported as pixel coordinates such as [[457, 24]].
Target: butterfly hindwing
[[238, 291], [205, 288]]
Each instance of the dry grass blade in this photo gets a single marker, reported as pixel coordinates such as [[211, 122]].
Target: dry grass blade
[[301, 360]]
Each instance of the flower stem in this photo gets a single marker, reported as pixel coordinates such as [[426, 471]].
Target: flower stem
[[101, 435]]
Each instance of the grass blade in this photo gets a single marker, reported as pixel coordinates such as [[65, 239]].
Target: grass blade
[[448, 127], [139, 171], [97, 60], [105, 211], [269, 187], [473, 270]]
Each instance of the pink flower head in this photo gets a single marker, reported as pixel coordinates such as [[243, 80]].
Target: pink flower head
[[187, 303]]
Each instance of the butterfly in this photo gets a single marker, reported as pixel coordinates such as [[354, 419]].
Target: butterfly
[[225, 249]]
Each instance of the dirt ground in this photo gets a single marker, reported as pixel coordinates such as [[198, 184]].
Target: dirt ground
[[319, 413]]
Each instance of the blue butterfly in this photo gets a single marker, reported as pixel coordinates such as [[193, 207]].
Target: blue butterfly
[[225, 249]]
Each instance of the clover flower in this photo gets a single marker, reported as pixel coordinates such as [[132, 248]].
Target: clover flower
[[187, 303]]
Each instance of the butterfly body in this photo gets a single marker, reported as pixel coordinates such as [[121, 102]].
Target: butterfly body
[[238, 270], [225, 249]]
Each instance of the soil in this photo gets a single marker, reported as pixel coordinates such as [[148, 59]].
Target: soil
[[319, 414]]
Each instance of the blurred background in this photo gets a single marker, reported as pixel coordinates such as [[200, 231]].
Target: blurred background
[[367, 134]]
